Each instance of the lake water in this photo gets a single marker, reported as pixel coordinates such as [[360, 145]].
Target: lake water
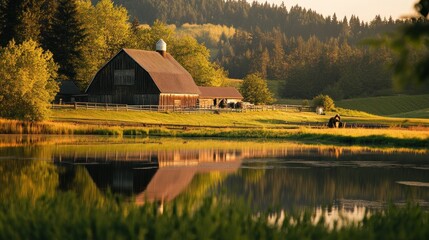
[[270, 174]]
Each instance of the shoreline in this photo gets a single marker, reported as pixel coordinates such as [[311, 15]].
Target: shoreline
[[417, 138]]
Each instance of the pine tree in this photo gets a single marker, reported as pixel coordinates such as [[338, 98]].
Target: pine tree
[[277, 67], [48, 9], [65, 39], [3, 8], [20, 20]]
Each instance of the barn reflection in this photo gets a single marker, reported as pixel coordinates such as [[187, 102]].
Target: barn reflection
[[149, 176]]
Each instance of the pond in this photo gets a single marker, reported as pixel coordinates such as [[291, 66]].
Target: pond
[[268, 174]]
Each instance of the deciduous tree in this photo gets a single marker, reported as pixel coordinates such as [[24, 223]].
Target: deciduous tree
[[255, 90], [107, 31], [27, 84]]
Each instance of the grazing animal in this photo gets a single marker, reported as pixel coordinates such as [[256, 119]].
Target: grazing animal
[[335, 122]]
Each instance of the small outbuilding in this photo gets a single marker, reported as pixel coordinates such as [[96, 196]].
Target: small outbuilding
[[69, 92], [219, 97], [138, 77]]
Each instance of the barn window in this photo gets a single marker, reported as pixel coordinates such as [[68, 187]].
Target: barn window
[[124, 77]]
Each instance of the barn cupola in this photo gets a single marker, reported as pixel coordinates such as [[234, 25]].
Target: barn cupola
[[161, 47]]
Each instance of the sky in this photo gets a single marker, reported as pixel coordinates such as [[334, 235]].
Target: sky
[[366, 10]]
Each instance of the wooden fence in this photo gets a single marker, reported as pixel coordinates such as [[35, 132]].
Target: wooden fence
[[171, 108]]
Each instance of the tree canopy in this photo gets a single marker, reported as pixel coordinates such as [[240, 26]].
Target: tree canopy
[[27, 81], [107, 29], [255, 90]]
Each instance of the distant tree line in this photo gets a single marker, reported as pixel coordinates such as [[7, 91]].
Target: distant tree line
[[308, 67], [294, 21]]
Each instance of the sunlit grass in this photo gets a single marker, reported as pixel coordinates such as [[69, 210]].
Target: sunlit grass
[[422, 113], [388, 105], [297, 126], [268, 119]]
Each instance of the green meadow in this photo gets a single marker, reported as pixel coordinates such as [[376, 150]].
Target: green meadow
[[408, 106]]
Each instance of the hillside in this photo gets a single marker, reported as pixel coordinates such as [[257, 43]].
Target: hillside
[[397, 106], [306, 52]]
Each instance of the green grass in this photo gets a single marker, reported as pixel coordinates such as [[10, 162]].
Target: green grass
[[231, 82], [423, 113], [231, 119], [390, 105], [66, 216], [296, 126], [260, 119]]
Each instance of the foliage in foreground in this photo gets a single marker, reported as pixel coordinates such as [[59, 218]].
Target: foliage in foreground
[[68, 217]]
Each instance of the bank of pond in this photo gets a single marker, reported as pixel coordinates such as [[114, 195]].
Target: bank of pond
[[412, 137], [89, 187]]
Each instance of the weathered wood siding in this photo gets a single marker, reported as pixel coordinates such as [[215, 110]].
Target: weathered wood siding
[[178, 100], [206, 103], [106, 89]]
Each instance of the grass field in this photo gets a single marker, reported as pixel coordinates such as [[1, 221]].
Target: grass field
[[423, 113], [408, 106], [261, 119]]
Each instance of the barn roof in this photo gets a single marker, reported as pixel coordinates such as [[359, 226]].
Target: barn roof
[[220, 92], [68, 87], [168, 75]]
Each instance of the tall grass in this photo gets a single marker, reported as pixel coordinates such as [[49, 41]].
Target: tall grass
[[26, 127], [68, 217], [362, 137]]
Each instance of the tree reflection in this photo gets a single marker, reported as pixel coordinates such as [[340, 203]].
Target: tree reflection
[[30, 179], [296, 187], [77, 180]]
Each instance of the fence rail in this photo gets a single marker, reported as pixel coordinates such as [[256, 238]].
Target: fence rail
[[171, 108]]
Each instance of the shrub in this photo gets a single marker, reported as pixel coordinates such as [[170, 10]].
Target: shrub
[[323, 101]]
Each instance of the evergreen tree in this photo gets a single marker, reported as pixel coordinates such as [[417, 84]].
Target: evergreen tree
[[66, 38], [48, 9], [3, 9], [277, 66]]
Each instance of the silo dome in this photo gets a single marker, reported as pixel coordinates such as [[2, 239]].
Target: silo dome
[[161, 46]]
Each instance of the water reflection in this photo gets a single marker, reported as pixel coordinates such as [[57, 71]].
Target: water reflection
[[269, 174], [157, 175]]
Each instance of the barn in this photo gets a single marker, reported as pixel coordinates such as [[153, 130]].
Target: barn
[[138, 77], [214, 97]]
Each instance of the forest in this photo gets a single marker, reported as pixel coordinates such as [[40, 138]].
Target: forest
[[307, 52]]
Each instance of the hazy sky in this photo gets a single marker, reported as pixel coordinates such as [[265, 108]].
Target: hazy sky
[[365, 9]]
